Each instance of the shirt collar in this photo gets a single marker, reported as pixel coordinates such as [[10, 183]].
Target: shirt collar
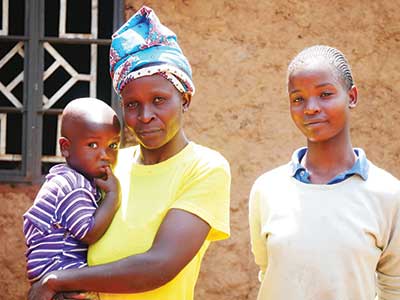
[[297, 155], [360, 166]]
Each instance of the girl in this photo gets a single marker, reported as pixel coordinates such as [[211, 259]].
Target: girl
[[327, 224]]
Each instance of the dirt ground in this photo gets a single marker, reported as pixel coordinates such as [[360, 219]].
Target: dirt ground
[[239, 51]]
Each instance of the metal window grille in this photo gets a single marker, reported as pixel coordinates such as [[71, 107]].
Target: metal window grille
[[46, 60]]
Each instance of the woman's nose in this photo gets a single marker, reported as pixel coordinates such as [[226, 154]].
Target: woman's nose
[[146, 114]]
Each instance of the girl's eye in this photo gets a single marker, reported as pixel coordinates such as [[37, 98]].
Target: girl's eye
[[297, 99], [326, 94], [93, 145], [114, 146], [158, 100]]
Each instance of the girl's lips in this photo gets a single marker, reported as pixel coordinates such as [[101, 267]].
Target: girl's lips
[[314, 122]]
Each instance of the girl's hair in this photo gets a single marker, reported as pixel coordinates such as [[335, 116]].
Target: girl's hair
[[332, 55]]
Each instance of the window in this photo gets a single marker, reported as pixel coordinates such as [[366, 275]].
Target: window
[[51, 51]]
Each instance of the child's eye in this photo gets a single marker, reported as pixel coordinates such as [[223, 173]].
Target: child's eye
[[93, 145], [114, 146]]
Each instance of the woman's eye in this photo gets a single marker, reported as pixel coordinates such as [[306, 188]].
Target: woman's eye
[[131, 105], [114, 146], [158, 100], [93, 145]]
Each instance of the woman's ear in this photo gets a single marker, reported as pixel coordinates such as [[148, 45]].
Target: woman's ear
[[186, 99], [353, 96], [65, 145]]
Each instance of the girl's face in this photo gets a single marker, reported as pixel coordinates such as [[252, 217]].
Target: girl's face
[[153, 110], [319, 101]]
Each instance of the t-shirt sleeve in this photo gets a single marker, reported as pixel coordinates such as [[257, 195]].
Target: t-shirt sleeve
[[258, 240], [388, 269], [206, 194], [75, 212]]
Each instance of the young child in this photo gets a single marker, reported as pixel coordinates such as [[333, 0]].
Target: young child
[[66, 215], [327, 224]]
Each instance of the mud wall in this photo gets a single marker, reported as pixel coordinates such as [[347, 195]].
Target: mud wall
[[239, 51]]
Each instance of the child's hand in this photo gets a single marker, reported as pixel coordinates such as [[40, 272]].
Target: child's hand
[[109, 184]]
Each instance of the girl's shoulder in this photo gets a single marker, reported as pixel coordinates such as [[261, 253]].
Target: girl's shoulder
[[381, 178], [274, 176]]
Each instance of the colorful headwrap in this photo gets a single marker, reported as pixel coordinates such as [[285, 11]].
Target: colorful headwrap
[[143, 47]]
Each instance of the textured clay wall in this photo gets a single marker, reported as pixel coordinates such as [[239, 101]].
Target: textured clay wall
[[239, 51]]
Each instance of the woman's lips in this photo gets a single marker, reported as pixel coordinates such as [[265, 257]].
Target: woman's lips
[[148, 132]]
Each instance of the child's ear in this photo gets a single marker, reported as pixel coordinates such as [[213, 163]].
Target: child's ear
[[353, 96], [64, 146], [186, 99]]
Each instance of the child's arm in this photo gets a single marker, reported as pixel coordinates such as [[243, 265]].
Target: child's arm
[[107, 208]]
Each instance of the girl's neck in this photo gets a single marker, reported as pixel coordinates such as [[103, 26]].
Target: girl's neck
[[154, 156], [325, 160]]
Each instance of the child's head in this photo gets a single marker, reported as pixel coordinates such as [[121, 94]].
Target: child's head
[[321, 91], [90, 132]]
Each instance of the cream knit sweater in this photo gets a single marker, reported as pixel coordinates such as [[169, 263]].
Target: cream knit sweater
[[326, 242]]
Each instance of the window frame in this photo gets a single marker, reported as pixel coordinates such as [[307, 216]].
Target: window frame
[[32, 113]]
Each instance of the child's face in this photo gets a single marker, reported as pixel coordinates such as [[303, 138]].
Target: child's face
[[92, 148], [152, 109], [319, 101]]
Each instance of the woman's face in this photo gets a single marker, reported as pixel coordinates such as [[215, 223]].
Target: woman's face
[[319, 101], [153, 110]]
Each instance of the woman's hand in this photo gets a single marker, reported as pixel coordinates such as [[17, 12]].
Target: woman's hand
[[76, 296], [40, 291]]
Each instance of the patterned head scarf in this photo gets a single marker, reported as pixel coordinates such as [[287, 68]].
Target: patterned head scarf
[[143, 47]]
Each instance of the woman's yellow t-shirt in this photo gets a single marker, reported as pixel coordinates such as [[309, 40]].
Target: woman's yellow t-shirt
[[197, 180]]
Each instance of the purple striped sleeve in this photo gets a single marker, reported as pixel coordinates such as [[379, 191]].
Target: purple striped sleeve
[[75, 212]]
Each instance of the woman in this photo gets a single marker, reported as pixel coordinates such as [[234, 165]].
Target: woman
[[175, 193], [326, 225]]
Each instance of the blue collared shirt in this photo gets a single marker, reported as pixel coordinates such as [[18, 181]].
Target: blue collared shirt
[[360, 167]]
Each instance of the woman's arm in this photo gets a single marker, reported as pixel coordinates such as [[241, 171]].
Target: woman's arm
[[178, 239]]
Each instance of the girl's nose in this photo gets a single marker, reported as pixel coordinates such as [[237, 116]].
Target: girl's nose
[[312, 106]]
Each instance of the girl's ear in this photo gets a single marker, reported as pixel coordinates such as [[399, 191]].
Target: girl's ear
[[65, 145], [353, 96], [186, 99]]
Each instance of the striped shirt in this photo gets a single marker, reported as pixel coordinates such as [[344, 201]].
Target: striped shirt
[[59, 218]]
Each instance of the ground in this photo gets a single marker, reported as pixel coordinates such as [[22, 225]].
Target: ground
[[239, 51]]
